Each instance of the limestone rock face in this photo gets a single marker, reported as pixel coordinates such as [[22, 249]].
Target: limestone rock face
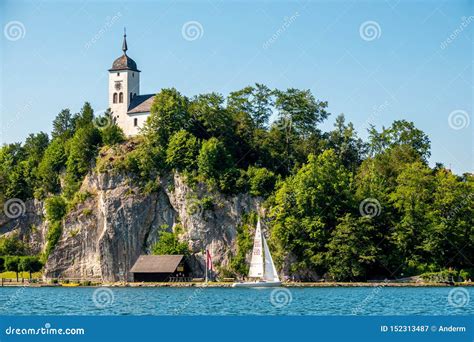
[[25, 220], [103, 236]]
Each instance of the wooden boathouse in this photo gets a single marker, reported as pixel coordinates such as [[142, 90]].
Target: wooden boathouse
[[161, 268]]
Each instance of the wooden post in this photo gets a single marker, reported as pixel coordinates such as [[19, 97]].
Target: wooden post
[[206, 264]]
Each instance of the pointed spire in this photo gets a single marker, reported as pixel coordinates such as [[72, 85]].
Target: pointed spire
[[124, 45]]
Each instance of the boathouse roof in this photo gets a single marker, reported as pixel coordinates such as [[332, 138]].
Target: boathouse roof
[[156, 263]]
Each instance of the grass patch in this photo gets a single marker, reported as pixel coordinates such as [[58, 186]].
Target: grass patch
[[26, 275]]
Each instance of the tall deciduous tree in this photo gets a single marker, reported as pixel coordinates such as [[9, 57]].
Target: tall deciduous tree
[[63, 125], [213, 159], [400, 133], [169, 114], [352, 250], [301, 109], [307, 207], [182, 151]]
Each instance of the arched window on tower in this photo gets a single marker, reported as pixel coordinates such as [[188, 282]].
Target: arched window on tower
[[131, 97], [115, 98], [121, 97]]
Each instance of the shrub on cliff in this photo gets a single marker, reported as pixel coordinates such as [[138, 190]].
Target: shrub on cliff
[[168, 243], [56, 208], [52, 238], [262, 181], [111, 133], [82, 150]]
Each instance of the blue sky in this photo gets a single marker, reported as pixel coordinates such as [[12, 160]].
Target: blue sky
[[55, 55]]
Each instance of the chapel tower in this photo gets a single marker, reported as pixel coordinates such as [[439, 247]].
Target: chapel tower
[[124, 87]]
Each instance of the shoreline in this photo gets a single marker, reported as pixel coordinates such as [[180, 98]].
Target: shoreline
[[229, 285]]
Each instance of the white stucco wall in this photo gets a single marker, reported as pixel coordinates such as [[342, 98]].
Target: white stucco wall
[[131, 129]]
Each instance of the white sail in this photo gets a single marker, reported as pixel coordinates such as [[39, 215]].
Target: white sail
[[256, 263], [270, 272]]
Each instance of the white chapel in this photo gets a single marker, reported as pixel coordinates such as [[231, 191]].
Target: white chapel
[[129, 108]]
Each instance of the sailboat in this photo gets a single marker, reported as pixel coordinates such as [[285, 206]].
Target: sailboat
[[262, 267]]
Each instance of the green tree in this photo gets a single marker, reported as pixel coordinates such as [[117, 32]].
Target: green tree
[[261, 180], [401, 133], [168, 114], [345, 142], [168, 243], [307, 207], [182, 151], [35, 145], [301, 109], [352, 249], [30, 264], [82, 150], [54, 160], [213, 159], [111, 133], [12, 264], [63, 126], [256, 101], [211, 119], [84, 118], [16, 172], [412, 198], [451, 240], [12, 245]]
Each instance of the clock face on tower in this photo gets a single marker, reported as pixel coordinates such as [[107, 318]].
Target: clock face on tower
[[118, 85]]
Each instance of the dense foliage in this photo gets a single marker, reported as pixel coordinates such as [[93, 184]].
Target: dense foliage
[[168, 243], [338, 206], [13, 263]]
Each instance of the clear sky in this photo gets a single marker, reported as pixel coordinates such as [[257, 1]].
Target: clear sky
[[374, 61]]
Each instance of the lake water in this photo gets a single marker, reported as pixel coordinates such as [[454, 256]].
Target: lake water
[[228, 301]]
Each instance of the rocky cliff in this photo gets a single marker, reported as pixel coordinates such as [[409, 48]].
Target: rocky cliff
[[104, 235]]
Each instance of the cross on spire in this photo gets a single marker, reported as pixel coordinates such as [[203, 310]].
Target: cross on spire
[[124, 45]]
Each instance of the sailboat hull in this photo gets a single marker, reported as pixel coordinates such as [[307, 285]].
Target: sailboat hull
[[258, 284]]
